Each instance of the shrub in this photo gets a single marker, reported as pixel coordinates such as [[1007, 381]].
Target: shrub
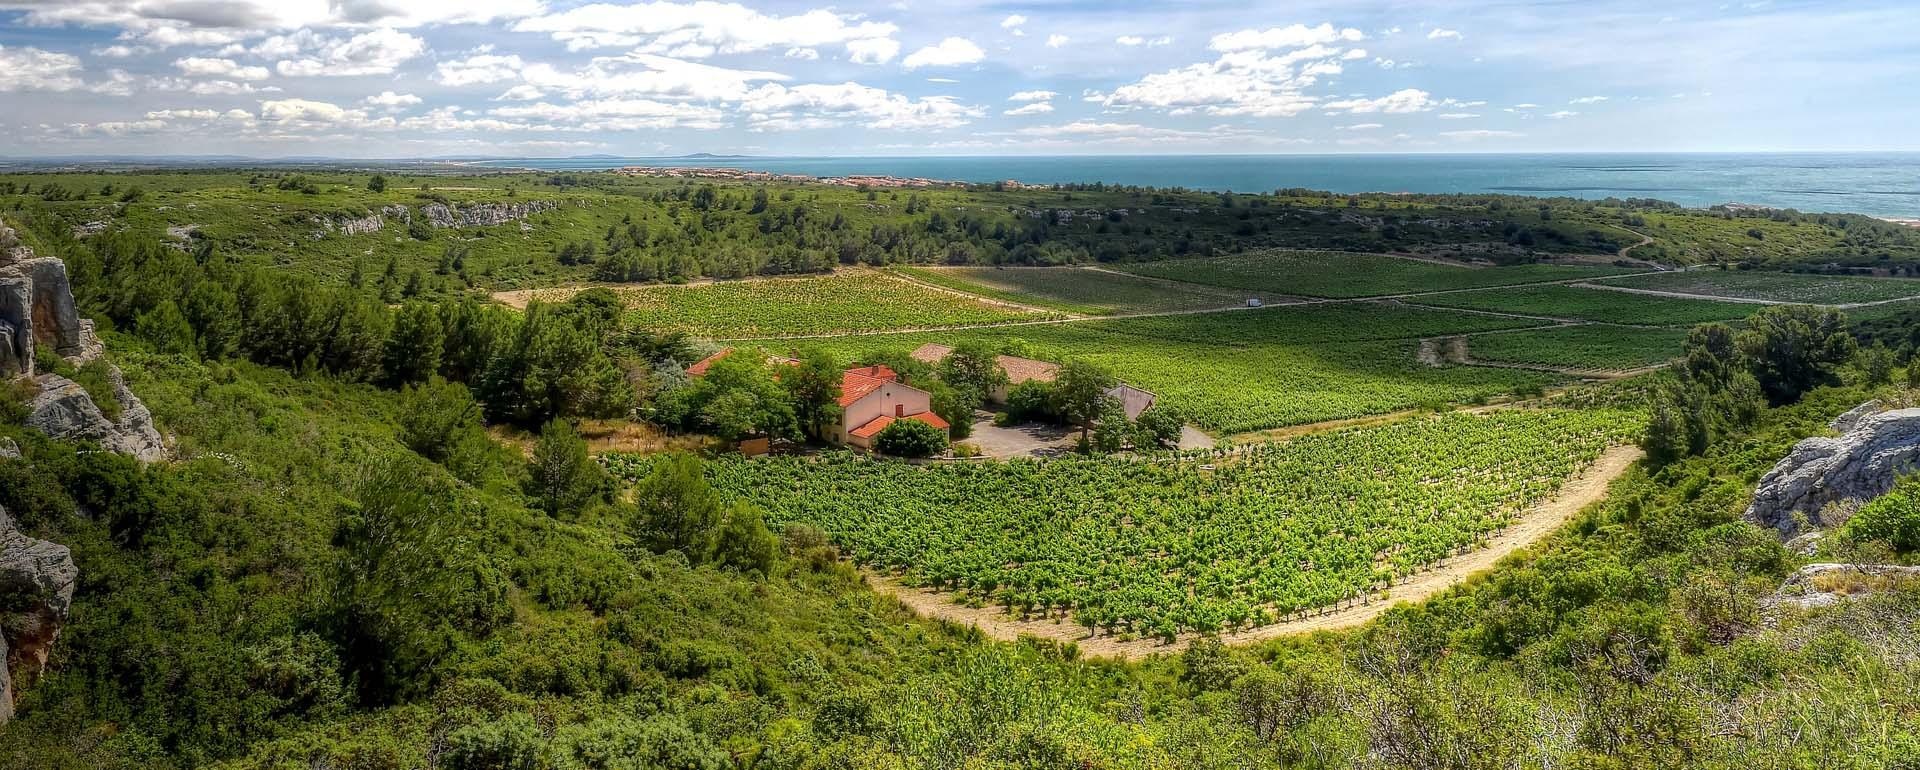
[[1893, 518], [910, 438], [510, 743]]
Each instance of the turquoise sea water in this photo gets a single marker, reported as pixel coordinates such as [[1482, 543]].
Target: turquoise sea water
[[1878, 184]]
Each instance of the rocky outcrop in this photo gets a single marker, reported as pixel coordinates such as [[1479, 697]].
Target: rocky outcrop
[[482, 214], [1846, 422], [1820, 585], [372, 222], [65, 411], [36, 308], [37, 579], [1860, 464]]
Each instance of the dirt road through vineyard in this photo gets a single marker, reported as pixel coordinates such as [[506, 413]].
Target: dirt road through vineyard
[[1537, 523]]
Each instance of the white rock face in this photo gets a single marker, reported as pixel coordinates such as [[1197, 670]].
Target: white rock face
[[1860, 465], [38, 579], [64, 410], [1851, 419], [482, 214]]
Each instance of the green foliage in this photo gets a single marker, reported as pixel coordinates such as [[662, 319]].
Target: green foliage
[[1158, 427], [973, 370], [563, 478], [1892, 518], [1032, 401], [862, 301], [1775, 286], [814, 386], [1067, 535], [1079, 290], [910, 438], [1559, 301], [1795, 348], [738, 398], [413, 349], [1280, 273], [410, 583], [377, 184], [675, 509], [166, 329], [745, 544]]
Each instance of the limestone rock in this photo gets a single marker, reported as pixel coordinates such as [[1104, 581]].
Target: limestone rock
[[37, 308], [38, 579], [482, 214], [8, 449], [1861, 464], [63, 410], [1851, 419]]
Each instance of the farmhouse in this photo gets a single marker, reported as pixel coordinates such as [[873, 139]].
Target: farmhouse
[[871, 398], [1021, 370]]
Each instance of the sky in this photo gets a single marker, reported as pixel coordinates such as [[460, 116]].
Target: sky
[[429, 78]]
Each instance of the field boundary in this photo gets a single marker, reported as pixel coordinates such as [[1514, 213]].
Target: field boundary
[[1584, 489]]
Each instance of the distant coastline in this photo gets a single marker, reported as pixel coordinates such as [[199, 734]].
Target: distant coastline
[[1878, 184]]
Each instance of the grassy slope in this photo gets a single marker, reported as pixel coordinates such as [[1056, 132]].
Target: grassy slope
[[1581, 347], [1779, 287], [1594, 305]]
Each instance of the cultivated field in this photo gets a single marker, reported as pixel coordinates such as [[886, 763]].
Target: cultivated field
[[1084, 291], [1159, 548], [1248, 370], [1580, 347], [1343, 274], [1776, 287], [849, 302], [1594, 305]]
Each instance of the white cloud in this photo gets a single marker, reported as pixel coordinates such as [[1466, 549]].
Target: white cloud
[[479, 70], [195, 66], [1441, 33], [951, 52], [1031, 96], [1457, 115], [942, 80], [1587, 100], [1402, 101], [1362, 127], [379, 52], [1562, 115], [820, 104], [1481, 133], [1036, 108], [1295, 36], [169, 23], [804, 54], [617, 115], [1057, 40], [1136, 40], [391, 100], [1249, 82], [1012, 23], [874, 50], [32, 69], [119, 51], [706, 28], [304, 112], [520, 93]]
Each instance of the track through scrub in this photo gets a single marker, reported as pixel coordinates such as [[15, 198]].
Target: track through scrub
[[1589, 487]]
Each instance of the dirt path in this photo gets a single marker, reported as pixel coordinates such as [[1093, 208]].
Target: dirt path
[[1589, 487], [909, 279]]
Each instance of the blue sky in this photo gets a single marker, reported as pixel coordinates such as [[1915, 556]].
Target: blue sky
[[393, 78]]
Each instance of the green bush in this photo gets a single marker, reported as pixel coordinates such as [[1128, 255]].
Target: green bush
[[1892, 518], [910, 438], [509, 743]]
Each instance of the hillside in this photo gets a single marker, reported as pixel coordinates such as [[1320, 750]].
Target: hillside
[[379, 529]]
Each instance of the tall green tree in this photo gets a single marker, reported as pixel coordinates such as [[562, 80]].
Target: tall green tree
[[1081, 391], [675, 509], [973, 368], [814, 386], [414, 346], [563, 476], [1795, 348]]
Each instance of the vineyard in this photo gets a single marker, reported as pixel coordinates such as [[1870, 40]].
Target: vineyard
[[1156, 548], [1079, 290], [1594, 305], [851, 302], [1346, 275], [1581, 347], [1776, 287], [1257, 369]]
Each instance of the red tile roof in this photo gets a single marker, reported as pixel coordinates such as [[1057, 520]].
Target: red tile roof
[[877, 424], [856, 384]]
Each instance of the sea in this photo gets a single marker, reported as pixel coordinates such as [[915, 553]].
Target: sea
[[1876, 184]]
